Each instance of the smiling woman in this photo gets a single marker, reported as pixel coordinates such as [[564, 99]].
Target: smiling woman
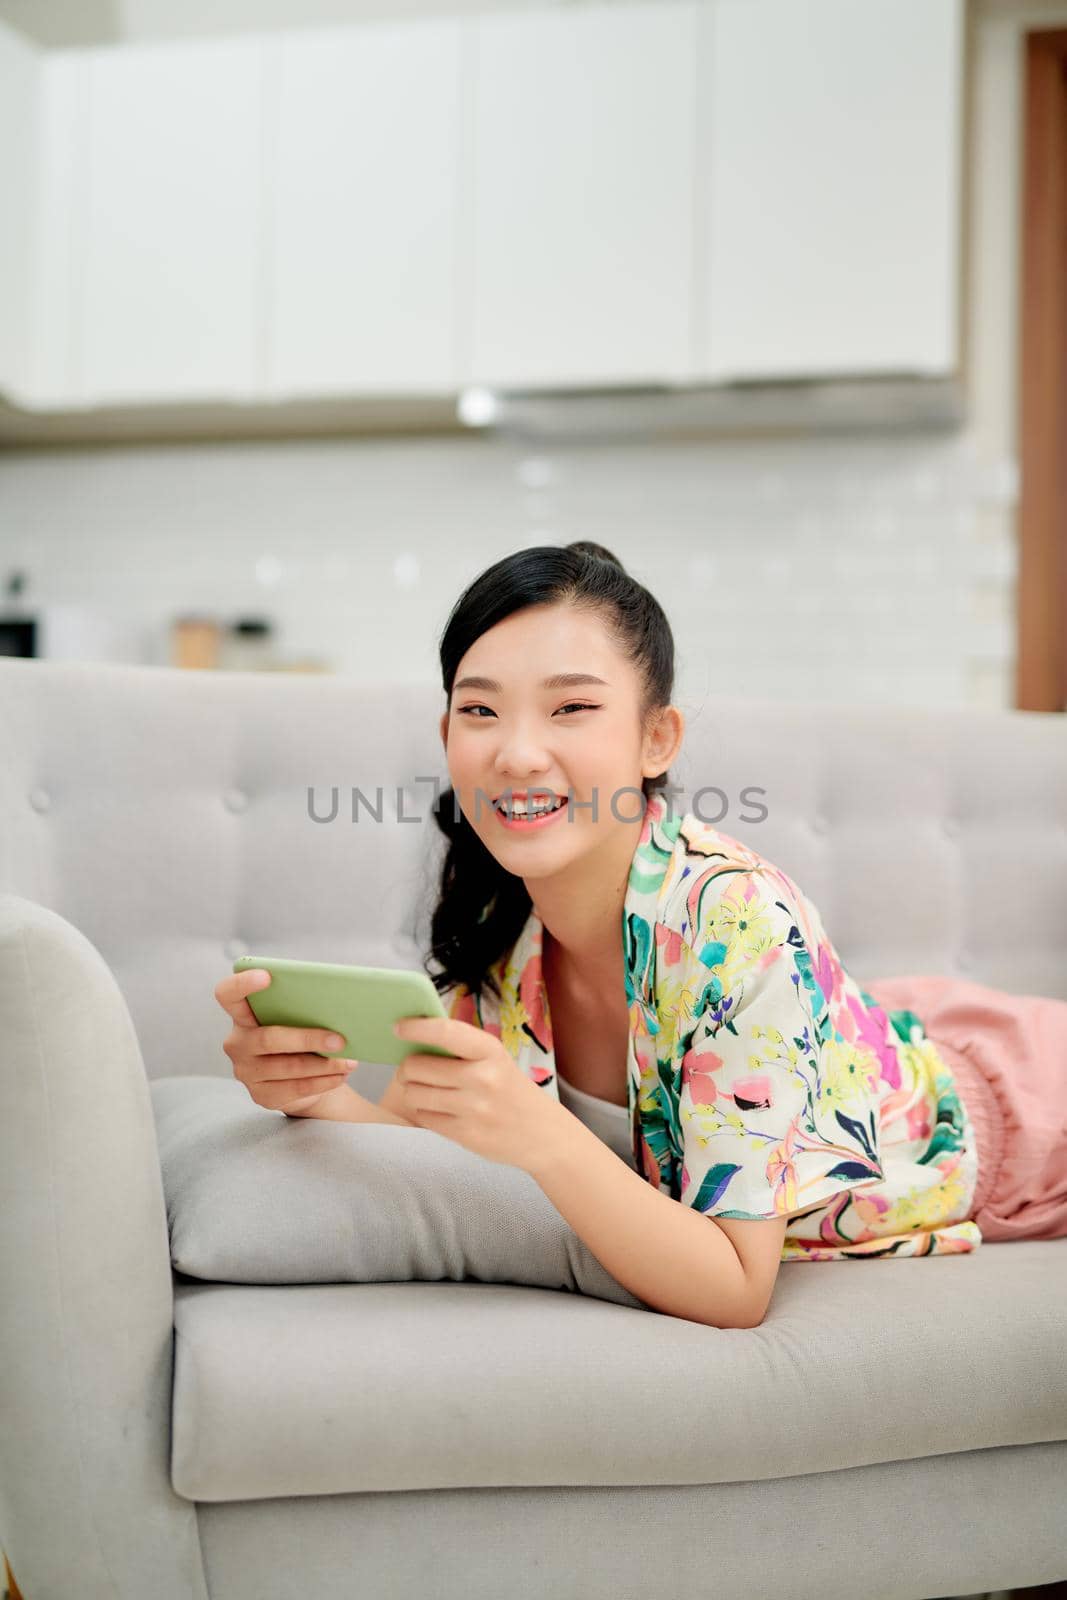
[[562, 755], [558, 669], [732, 1098]]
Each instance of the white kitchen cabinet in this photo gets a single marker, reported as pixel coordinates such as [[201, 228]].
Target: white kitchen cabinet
[[168, 302], [363, 242], [19, 73], [581, 271], [662, 192], [829, 176], [58, 239]]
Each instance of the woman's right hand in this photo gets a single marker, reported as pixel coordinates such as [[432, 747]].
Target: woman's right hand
[[274, 1062]]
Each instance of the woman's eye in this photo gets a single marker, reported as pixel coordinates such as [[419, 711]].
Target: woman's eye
[[572, 705]]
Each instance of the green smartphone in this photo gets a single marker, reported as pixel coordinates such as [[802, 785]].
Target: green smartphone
[[360, 1003]]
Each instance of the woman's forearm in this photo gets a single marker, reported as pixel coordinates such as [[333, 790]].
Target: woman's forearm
[[343, 1104]]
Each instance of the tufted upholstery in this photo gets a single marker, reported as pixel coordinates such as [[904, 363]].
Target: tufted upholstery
[[166, 814], [154, 824]]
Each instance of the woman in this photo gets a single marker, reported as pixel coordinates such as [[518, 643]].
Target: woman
[[690, 1047], [535, 916]]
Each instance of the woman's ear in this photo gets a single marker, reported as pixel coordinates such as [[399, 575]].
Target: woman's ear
[[665, 739], [444, 729]]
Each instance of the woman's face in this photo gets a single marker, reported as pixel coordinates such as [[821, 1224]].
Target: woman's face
[[578, 740]]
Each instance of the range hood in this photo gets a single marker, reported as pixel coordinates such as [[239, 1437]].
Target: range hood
[[796, 407], [807, 406]]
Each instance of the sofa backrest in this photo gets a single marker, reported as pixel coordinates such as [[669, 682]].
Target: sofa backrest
[[170, 815]]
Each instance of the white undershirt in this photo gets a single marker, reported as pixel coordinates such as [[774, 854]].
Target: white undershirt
[[610, 1123]]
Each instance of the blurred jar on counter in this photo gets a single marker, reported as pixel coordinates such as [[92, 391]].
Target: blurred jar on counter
[[195, 642]]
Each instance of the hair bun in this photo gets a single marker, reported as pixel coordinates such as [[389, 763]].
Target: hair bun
[[587, 547]]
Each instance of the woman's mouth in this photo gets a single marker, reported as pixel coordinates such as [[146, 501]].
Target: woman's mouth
[[526, 824]]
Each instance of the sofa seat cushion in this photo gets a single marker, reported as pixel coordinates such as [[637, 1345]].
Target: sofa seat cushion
[[340, 1388]]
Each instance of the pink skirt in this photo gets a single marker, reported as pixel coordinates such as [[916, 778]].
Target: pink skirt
[[1008, 1054]]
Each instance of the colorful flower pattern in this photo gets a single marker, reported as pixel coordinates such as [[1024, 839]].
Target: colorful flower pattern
[[762, 1080]]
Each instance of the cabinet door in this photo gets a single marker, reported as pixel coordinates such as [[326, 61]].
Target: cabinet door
[[581, 269], [19, 71], [170, 303], [363, 241], [830, 172], [58, 237]]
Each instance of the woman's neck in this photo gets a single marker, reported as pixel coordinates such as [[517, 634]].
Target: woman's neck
[[580, 909]]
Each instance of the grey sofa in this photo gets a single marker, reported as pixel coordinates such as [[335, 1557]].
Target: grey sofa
[[892, 1429]]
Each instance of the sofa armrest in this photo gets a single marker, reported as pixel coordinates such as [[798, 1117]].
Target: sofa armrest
[[86, 1352]]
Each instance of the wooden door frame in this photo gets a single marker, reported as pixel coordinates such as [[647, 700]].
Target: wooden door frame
[[1041, 610]]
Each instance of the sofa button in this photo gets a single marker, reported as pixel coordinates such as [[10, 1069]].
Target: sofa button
[[819, 823], [950, 827], [235, 948], [40, 799], [236, 800], [964, 960]]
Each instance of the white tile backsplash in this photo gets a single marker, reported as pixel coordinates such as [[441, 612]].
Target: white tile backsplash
[[853, 568]]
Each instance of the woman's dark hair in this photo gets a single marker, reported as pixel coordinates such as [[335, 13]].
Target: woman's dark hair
[[481, 908]]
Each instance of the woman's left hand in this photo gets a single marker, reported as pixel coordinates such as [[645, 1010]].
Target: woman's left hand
[[477, 1095]]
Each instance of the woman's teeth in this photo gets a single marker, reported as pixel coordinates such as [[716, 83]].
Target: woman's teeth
[[533, 811]]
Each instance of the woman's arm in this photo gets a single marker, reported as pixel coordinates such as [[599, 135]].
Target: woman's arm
[[675, 1259]]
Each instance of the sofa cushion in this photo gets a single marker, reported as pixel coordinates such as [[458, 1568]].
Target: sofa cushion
[[352, 1388], [254, 1196]]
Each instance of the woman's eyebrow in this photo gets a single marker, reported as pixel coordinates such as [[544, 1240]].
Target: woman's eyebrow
[[559, 680]]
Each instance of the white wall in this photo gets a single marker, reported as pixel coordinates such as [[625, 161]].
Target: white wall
[[881, 569]]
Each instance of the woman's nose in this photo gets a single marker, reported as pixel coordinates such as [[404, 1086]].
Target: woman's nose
[[522, 757]]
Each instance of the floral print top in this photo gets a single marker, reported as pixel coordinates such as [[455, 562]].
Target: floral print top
[[762, 1081]]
